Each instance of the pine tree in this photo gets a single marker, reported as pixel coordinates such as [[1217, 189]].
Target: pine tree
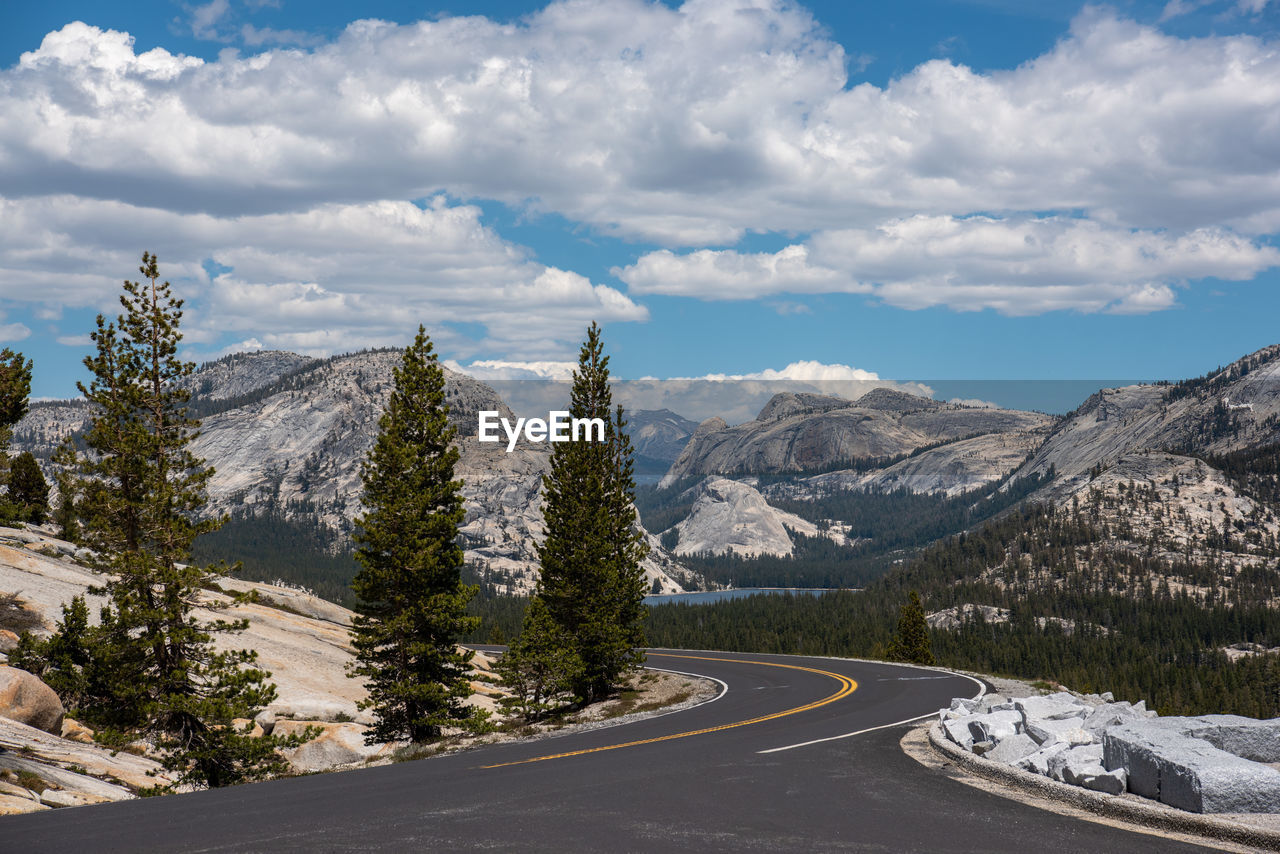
[[64, 515], [540, 666], [15, 390], [28, 490], [64, 661], [412, 608], [911, 642], [154, 664], [591, 582]]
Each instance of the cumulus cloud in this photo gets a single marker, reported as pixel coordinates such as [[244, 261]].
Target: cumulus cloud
[[498, 369], [206, 17], [805, 371], [726, 274], [686, 127], [1014, 265], [320, 280]]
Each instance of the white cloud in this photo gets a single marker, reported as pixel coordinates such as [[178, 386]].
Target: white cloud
[[249, 345], [685, 126], [74, 340], [14, 332], [786, 308], [258, 36], [1178, 8], [1016, 266], [497, 369], [726, 274], [205, 18], [329, 278], [804, 371]]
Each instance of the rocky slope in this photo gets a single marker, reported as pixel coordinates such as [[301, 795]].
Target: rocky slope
[[241, 374], [951, 469], [46, 424], [1135, 458], [1234, 408], [731, 517], [285, 431], [301, 640], [659, 435], [806, 432]]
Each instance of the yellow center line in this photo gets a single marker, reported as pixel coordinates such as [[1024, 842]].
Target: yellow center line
[[847, 687]]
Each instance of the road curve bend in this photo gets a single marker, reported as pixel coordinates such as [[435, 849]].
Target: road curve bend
[[796, 754]]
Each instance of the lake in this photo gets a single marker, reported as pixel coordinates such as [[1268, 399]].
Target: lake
[[706, 597]]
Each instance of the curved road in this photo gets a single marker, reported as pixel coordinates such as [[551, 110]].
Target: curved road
[[711, 778]]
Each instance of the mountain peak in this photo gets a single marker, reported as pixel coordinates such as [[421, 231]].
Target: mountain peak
[[785, 404], [892, 400]]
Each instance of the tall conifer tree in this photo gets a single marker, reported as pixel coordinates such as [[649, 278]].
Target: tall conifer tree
[[911, 642], [15, 392], [143, 491], [28, 490], [412, 608], [591, 581]]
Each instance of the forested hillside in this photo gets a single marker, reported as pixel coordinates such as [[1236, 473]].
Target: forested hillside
[[881, 528], [1067, 601]]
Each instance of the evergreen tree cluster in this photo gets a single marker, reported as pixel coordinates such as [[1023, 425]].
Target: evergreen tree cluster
[[583, 628], [277, 544]]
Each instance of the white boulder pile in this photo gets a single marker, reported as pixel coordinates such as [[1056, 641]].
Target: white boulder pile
[[1206, 764]]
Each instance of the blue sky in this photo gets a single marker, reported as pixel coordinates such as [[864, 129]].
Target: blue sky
[[920, 190]]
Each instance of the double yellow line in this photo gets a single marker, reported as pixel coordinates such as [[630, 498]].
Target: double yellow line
[[847, 687]]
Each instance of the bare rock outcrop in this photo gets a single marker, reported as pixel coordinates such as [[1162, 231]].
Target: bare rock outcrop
[[338, 744], [242, 374], [27, 700], [729, 516], [659, 434], [1238, 407], [1205, 764], [306, 655], [950, 469], [798, 433], [74, 765]]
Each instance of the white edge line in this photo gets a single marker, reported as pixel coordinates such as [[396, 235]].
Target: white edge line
[[624, 720], [982, 690], [724, 689]]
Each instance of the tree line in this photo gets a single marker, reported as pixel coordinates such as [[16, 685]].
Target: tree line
[[1077, 611]]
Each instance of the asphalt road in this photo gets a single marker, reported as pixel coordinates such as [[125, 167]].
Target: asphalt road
[[695, 780]]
